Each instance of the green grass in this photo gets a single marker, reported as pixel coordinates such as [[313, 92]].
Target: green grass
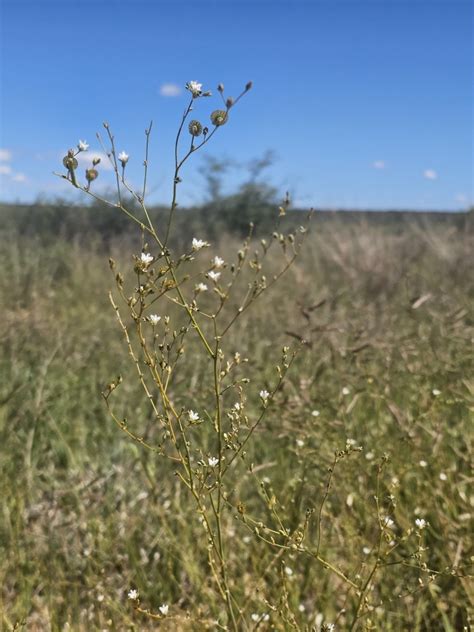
[[86, 514]]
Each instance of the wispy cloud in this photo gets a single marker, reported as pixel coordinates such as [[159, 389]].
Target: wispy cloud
[[5, 155], [170, 90], [379, 164], [7, 171], [19, 177], [430, 174], [461, 198]]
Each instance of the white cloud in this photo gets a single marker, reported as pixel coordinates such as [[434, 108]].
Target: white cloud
[[19, 177], [5, 155], [170, 90], [461, 198], [378, 164], [5, 170], [84, 158], [430, 174]]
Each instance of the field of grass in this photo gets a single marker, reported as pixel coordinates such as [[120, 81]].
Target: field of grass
[[88, 514]]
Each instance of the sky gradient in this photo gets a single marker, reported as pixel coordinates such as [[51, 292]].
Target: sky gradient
[[365, 104]]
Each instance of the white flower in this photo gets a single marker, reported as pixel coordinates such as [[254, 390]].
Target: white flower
[[133, 594], [443, 476], [217, 262], [193, 416], [123, 157], [288, 571], [351, 442], [436, 392], [387, 522], [423, 464], [212, 461], [154, 319], [300, 443], [82, 145], [201, 287], [164, 609], [259, 617], [237, 406], [366, 550], [199, 243], [264, 395], [421, 523], [315, 413], [214, 276], [194, 88], [146, 258], [345, 390]]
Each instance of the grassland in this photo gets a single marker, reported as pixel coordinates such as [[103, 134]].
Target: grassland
[[385, 310]]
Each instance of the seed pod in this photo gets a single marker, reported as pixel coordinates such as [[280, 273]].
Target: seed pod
[[91, 174], [219, 117], [70, 162], [195, 128]]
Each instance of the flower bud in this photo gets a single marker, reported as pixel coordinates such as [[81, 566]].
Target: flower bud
[[229, 102], [220, 87], [95, 161], [248, 86], [219, 117]]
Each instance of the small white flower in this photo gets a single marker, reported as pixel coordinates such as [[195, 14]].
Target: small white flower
[[193, 416], [146, 258], [443, 476], [345, 390], [214, 275], [387, 522], [423, 464], [198, 244], [351, 442], [366, 550], [421, 523], [201, 287], [164, 609], [369, 456], [259, 617], [436, 392], [301, 607], [82, 145], [154, 319], [218, 263], [264, 395], [237, 406], [299, 443], [133, 594], [212, 461], [328, 627], [194, 88], [315, 413], [123, 157], [288, 571]]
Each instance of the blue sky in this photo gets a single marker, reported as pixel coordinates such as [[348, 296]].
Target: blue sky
[[366, 104]]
